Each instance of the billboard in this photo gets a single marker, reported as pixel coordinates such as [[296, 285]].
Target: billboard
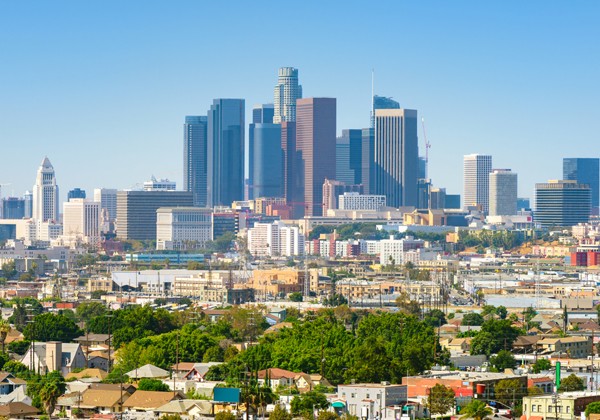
[[227, 395]]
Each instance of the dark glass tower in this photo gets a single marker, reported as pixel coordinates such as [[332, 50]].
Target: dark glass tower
[[225, 152], [266, 163], [584, 171], [194, 158]]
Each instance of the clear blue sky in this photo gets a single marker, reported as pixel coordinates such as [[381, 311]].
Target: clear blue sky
[[102, 87]]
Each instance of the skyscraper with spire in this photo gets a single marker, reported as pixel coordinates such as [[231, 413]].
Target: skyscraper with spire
[[287, 92], [45, 193]]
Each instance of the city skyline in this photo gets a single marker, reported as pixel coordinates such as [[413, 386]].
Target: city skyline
[[491, 78]]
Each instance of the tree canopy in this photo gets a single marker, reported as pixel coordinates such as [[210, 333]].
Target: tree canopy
[[51, 327]]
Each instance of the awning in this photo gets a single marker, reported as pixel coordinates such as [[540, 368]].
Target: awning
[[338, 404]]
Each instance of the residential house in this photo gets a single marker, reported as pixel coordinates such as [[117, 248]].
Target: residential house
[[13, 389], [54, 355], [187, 409], [93, 340], [144, 401], [98, 375], [459, 345], [277, 378], [574, 347], [18, 410], [370, 401], [543, 382], [148, 371], [305, 382]]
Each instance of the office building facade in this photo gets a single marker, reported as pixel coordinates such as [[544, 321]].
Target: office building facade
[[357, 201], [45, 193], [136, 211], [287, 92], [333, 189], [263, 114], [584, 171], [13, 208], [107, 197], [183, 228], [476, 178], [195, 157], [348, 156], [76, 193], [562, 203], [225, 152], [266, 174], [503, 193], [396, 156], [81, 221], [315, 142]]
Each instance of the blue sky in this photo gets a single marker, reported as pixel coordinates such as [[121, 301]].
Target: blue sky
[[102, 87]]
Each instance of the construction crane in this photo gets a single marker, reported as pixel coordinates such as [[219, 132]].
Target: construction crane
[[427, 146]]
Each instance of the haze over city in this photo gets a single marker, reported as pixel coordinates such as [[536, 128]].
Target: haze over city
[[102, 89]]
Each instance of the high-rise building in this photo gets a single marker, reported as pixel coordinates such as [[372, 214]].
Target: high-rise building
[[266, 161], [76, 193], [357, 201], [503, 193], [107, 197], [28, 197], [291, 177], [159, 185], [136, 211], [315, 141], [584, 171], [183, 228], [333, 189], [263, 114], [45, 193], [382, 102], [368, 160], [225, 152], [287, 92], [452, 201], [423, 193], [476, 178], [194, 157], [562, 203], [81, 221], [13, 208], [422, 167], [437, 198], [396, 156], [348, 157], [523, 203]]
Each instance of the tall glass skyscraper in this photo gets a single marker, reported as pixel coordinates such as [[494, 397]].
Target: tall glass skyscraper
[[266, 163], [396, 156], [225, 152], [348, 157], [382, 102], [194, 157], [287, 92], [584, 171]]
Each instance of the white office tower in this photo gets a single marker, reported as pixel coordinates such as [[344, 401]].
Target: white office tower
[[45, 194], [275, 240], [81, 222], [286, 93], [503, 193], [476, 175], [394, 251], [183, 228], [356, 201], [107, 197]]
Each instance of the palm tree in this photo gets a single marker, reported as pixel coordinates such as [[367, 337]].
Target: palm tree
[[5, 328], [476, 410], [54, 386]]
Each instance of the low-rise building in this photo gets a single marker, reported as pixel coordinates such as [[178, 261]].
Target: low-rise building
[[564, 406], [370, 401], [574, 347]]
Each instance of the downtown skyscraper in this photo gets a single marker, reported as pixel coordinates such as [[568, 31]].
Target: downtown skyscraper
[[194, 158], [225, 152], [476, 178], [503, 193], [287, 92], [396, 156], [584, 171], [45, 194]]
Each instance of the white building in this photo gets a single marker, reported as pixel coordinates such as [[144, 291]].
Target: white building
[[81, 222], [183, 227], [159, 185], [476, 175], [287, 91], [393, 250], [275, 239], [47, 231], [503, 192], [356, 201], [45, 194]]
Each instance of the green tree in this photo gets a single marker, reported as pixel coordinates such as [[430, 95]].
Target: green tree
[[335, 300], [592, 408], [476, 410], [508, 390], [541, 365], [280, 413], [225, 415], [5, 328], [50, 327], [16, 368], [571, 383], [440, 399], [502, 312], [295, 297], [529, 314], [327, 415], [46, 389], [472, 319], [503, 360], [495, 335], [533, 391], [89, 310], [305, 403], [19, 347], [147, 384], [435, 318]]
